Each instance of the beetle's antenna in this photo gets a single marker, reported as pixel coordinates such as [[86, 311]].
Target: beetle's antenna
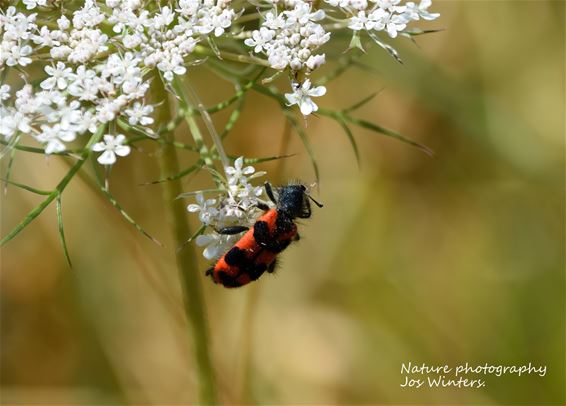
[[320, 205]]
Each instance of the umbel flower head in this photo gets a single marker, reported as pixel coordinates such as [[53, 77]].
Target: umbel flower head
[[236, 205], [98, 61]]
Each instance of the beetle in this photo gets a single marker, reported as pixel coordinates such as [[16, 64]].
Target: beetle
[[256, 251]]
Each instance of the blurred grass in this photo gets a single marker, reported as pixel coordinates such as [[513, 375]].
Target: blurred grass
[[448, 259]]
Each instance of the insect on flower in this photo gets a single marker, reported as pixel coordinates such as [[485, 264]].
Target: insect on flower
[[256, 251]]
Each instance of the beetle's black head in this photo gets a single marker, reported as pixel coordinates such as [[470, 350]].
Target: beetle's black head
[[294, 201]]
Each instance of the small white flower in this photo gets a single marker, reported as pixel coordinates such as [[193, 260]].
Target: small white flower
[[110, 147], [216, 244], [59, 76], [172, 65], [388, 4], [260, 39], [302, 96], [31, 4], [132, 40], [18, 55], [87, 121], [45, 38], [139, 114], [207, 213], [4, 92], [279, 57], [395, 23], [52, 137], [164, 18], [415, 12], [315, 61], [13, 122], [84, 79], [237, 172], [107, 110], [63, 23]]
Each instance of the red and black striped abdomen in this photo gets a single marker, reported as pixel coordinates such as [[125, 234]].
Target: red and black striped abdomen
[[255, 252]]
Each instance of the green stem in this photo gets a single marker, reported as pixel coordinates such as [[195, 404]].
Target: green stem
[[203, 150], [58, 190], [209, 125], [40, 150], [186, 260], [201, 50]]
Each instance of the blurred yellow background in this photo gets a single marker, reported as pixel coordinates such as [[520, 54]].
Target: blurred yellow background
[[445, 260]]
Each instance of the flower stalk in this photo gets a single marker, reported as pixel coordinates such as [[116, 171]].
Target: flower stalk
[[187, 266]]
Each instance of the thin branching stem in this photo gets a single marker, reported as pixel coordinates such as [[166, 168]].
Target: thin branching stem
[[231, 56], [58, 189], [192, 123], [187, 265], [209, 125]]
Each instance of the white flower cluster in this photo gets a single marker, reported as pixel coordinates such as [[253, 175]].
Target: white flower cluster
[[237, 206], [290, 39], [93, 77], [16, 30], [165, 39], [98, 59], [383, 15]]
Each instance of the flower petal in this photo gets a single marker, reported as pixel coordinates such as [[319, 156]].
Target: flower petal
[[317, 91], [239, 162], [193, 208], [107, 158], [204, 239], [122, 150], [307, 107], [99, 146]]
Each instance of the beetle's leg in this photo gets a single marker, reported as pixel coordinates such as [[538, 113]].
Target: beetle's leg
[[269, 192], [232, 230], [272, 266], [262, 206]]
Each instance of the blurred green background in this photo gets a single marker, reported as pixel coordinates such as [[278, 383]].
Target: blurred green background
[[444, 260]]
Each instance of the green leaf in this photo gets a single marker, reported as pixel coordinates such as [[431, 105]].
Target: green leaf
[[390, 50], [351, 138], [62, 232], [9, 169], [234, 116], [191, 238], [271, 78], [126, 216], [58, 190], [196, 192], [343, 64], [214, 47], [418, 31], [28, 188], [289, 115], [375, 128], [361, 103], [179, 175], [135, 129], [355, 43], [252, 161], [194, 129], [293, 121], [112, 200], [217, 176], [39, 150], [10, 145]]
